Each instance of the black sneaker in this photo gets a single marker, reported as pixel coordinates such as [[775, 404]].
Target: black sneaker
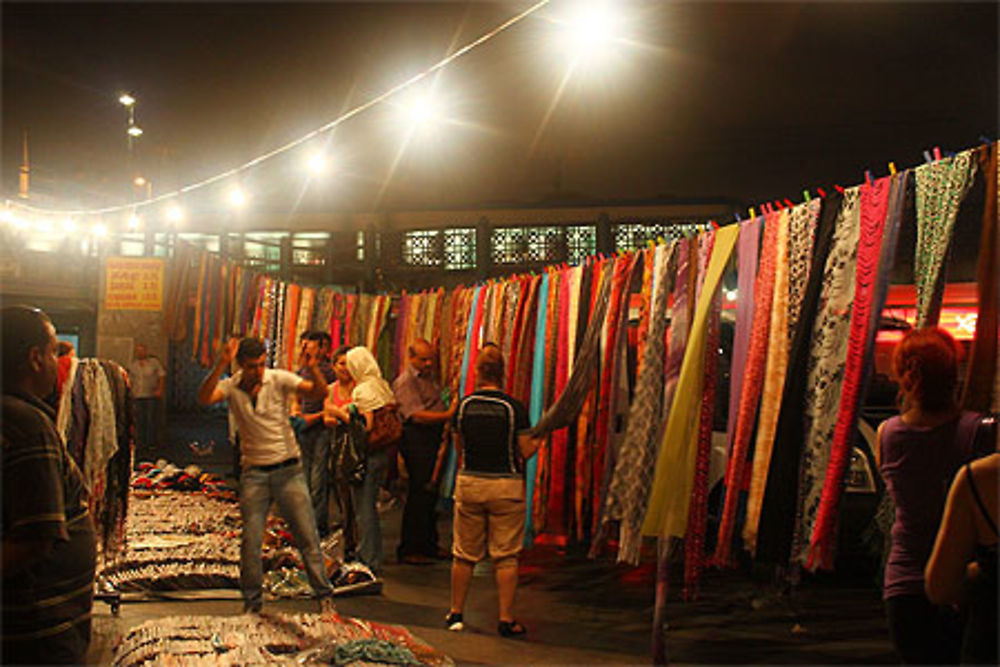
[[453, 621]]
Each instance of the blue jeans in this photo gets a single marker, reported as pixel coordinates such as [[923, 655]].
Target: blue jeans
[[365, 496], [287, 486], [315, 446]]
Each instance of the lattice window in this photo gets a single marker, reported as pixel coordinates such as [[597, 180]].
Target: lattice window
[[633, 235], [423, 248], [529, 245], [263, 251], [309, 248], [132, 245], [209, 242], [460, 249], [581, 242]]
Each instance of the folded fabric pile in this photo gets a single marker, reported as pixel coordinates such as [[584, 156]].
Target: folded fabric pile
[[291, 639]]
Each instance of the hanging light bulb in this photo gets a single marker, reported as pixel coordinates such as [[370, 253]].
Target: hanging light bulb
[[100, 230], [175, 214], [134, 222], [237, 198], [316, 164], [69, 225]]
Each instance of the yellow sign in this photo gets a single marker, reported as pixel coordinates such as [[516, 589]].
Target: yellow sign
[[133, 283]]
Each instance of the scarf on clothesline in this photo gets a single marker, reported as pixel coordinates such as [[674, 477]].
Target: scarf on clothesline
[[753, 385], [535, 406], [777, 515], [774, 382], [633, 471], [694, 542], [983, 357], [941, 187], [874, 205], [667, 513], [748, 247], [825, 379]]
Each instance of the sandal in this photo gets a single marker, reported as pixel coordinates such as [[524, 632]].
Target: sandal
[[511, 629], [453, 621]]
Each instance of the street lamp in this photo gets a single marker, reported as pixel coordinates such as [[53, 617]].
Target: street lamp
[[127, 100]]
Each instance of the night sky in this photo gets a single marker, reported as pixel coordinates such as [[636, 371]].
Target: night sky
[[744, 101]]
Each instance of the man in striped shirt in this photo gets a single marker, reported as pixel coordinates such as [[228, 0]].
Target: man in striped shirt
[[48, 536]]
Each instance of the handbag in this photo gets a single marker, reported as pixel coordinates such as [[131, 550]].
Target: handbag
[[387, 427], [349, 450]]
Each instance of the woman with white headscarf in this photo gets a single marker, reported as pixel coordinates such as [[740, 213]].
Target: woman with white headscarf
[[370, 393]]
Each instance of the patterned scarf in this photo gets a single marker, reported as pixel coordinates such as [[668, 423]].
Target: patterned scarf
[[774, 382], [535, 404], [753, 384], [874, 204], [778, 509], [633, 472], [694, 542], [826, 369], [669, 504], [941, 187]]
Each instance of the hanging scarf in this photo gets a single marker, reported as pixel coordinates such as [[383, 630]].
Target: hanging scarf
[[774, 381], [941, 187], [633, 473], [557, 507], [535, 405], [645, 304], [801, 232], [753, 384], [585, 422], [669, 504], [826, 369], [874, 202], [983, 358], [466, 379], [694, 542], [778, 508], [746, 274]]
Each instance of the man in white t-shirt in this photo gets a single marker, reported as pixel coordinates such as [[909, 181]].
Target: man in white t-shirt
[[270, 466], [148, 379]]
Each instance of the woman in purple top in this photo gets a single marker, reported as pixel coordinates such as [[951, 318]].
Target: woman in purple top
[[920, 451]]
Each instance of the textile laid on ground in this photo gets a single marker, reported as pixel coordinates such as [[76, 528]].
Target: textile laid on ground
[[826, 369], [183, 532], [266, 638], [941, 187]]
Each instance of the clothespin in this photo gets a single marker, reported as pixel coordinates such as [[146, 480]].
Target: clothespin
[[659, 240], [821, 191], [714, 224], [738, 218], [789, 204], [937, 152], [892, 168], [752, 214], [805, 196], [839, 189], [928, 158], [868, 177]]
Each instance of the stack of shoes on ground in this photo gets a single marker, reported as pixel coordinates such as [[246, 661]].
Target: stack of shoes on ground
[[355, 578]]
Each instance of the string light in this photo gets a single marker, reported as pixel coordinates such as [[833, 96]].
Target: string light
[[175, 214], [134, 222], [237, 198], [316, 164], [100, 230], [226, 175]]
